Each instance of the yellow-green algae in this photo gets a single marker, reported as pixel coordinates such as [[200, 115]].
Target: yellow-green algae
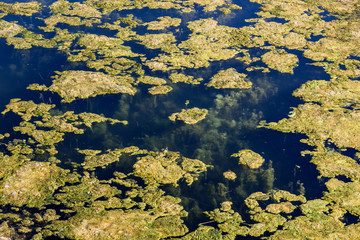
[[189, 116], [229, 175], [283, 62], [164, 89], [167, 168], [180, 77], [26, 9], [93, 159], [335, 119], [163, 22], [229, 78], [46, 129], [249, 158], [151, 80], [71, 85], [32, 184]]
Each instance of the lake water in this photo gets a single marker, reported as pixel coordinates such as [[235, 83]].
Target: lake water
[[231, 124]]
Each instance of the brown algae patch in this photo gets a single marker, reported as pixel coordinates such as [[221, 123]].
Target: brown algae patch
[[189, 116], [249, 158], [72, 85], [229, 78]]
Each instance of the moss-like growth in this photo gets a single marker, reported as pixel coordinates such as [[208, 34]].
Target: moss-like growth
[[180, 77], [152, 80], [26, 8], [189, 116], [331, 94], [341, 126], [164, 89], [249, 158], [32, 184], [282, 62], [164, 168], [229, 175], [162, 23], [71, 85], [229, 78]]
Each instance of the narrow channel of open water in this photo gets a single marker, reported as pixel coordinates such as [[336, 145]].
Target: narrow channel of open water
[[230, 126]]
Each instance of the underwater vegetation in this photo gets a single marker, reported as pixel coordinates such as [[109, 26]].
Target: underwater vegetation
[[59, 181]]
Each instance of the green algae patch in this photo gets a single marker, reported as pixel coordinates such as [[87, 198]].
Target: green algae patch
[[331, 94], [120, 224], [75, 9], [9, 163], [229, 78], [329, 49], [282, 62], [27, 109], [9, 29], [283, 207], [167, 168], [189, 116], [156, 90], [180, 77], [249, 158], [93, 159], [331, 164], [87, 191], [26, 9], [47, 129], [229, 175], [341, 126], [164, 41], [32, 184], [206, 232], [162, 23], [228, 221], [344, 194], [72, 85], [152, 80]]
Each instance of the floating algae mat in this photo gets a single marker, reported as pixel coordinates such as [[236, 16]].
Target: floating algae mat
[[168, 119]]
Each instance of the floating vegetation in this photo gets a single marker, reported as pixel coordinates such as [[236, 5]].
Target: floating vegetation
[[283, 62], [249, 158], [163, 22], [71, 85], [229, 175], [189, 116], [164, 89], [58, 178], [229, 78]]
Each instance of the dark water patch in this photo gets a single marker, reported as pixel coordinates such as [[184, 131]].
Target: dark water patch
[[349, 219]]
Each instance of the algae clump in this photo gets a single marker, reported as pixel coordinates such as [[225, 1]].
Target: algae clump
[[189, 116], [229, 78], [249, 158]]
